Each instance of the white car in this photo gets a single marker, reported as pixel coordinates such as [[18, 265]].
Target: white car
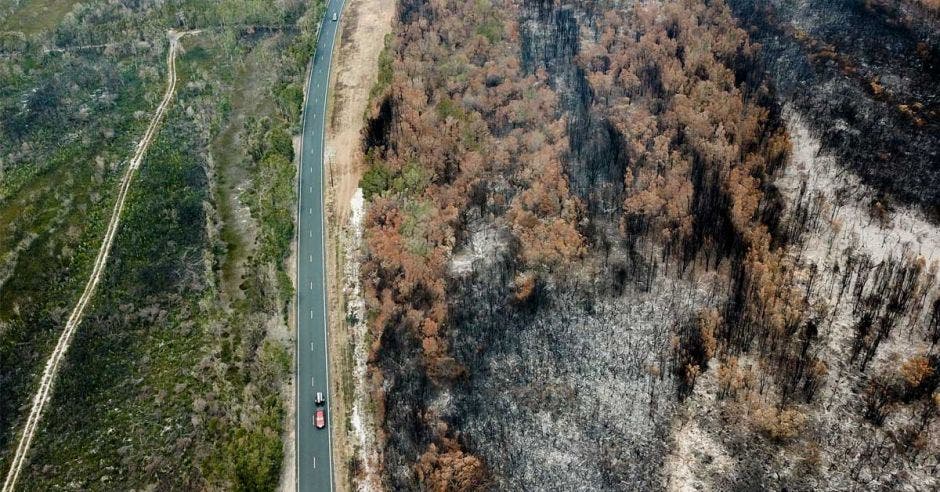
[[335, 16], [320, 399]]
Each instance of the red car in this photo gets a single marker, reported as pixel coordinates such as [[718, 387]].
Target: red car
[[319, 419]]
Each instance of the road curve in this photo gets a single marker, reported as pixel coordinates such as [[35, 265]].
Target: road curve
[[314, 451], [44, 392]]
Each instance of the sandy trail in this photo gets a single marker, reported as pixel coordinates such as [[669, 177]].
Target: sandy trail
[[44, 391], [365, 23]]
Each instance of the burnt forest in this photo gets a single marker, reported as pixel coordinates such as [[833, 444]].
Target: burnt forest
[[654, 245]]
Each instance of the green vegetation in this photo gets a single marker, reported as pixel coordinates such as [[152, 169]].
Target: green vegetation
[[271, 198], [64, 141], [169, 382], [414, 229], [490, 27], [447, 108], [375, 180], [131, 365], [274, 182], [384, 77], [413, 180], [33, 16]]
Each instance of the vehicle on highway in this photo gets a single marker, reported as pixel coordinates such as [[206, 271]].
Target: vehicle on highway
[[335, 16], [320, 399], [319, 419]]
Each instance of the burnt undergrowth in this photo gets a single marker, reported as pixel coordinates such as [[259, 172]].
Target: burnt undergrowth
[[866, 82], [531, 359]]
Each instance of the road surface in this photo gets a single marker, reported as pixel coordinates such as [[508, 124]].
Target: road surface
[[314, 446]]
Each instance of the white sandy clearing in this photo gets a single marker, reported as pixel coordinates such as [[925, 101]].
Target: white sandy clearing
[[363, 425], [854, 226]]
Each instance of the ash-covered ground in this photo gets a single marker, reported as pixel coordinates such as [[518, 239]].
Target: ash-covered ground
[[575, 388], [837, 447], [865, 76], [572, 390]]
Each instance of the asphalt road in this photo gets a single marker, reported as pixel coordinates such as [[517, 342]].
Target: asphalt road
[[314, 446]]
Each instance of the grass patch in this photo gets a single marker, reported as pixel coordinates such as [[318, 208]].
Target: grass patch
[[36, 16]]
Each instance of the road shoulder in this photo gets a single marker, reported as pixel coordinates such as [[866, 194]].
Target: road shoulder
[[355, 67]]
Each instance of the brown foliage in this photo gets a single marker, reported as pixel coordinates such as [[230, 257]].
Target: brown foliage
[[700, 145], [543, 216], [708, 323], [449, 469], [410, 233], [669, 71], [734, 378], [778, 424], [524, 286], [467, 131], [915, 370], [463, 117], [665, 70]]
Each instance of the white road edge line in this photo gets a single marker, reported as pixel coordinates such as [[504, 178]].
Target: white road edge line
[[50, 372]]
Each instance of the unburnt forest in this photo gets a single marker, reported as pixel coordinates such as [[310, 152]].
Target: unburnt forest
[[662, 244], [178, 376]]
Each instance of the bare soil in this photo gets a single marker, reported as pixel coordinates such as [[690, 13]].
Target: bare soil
[[355, 68], [365, 24]]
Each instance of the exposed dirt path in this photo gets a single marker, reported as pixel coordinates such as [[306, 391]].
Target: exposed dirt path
[[362, 38], [365, 24], [44, 391]]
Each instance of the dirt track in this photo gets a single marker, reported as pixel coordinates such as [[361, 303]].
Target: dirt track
[[44, 391], [355, 69]]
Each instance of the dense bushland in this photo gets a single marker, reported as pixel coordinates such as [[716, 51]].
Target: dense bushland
[[170, 382]]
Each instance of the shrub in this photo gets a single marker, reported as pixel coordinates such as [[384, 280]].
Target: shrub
[[778, 424], [915, 370], [375, 181]]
